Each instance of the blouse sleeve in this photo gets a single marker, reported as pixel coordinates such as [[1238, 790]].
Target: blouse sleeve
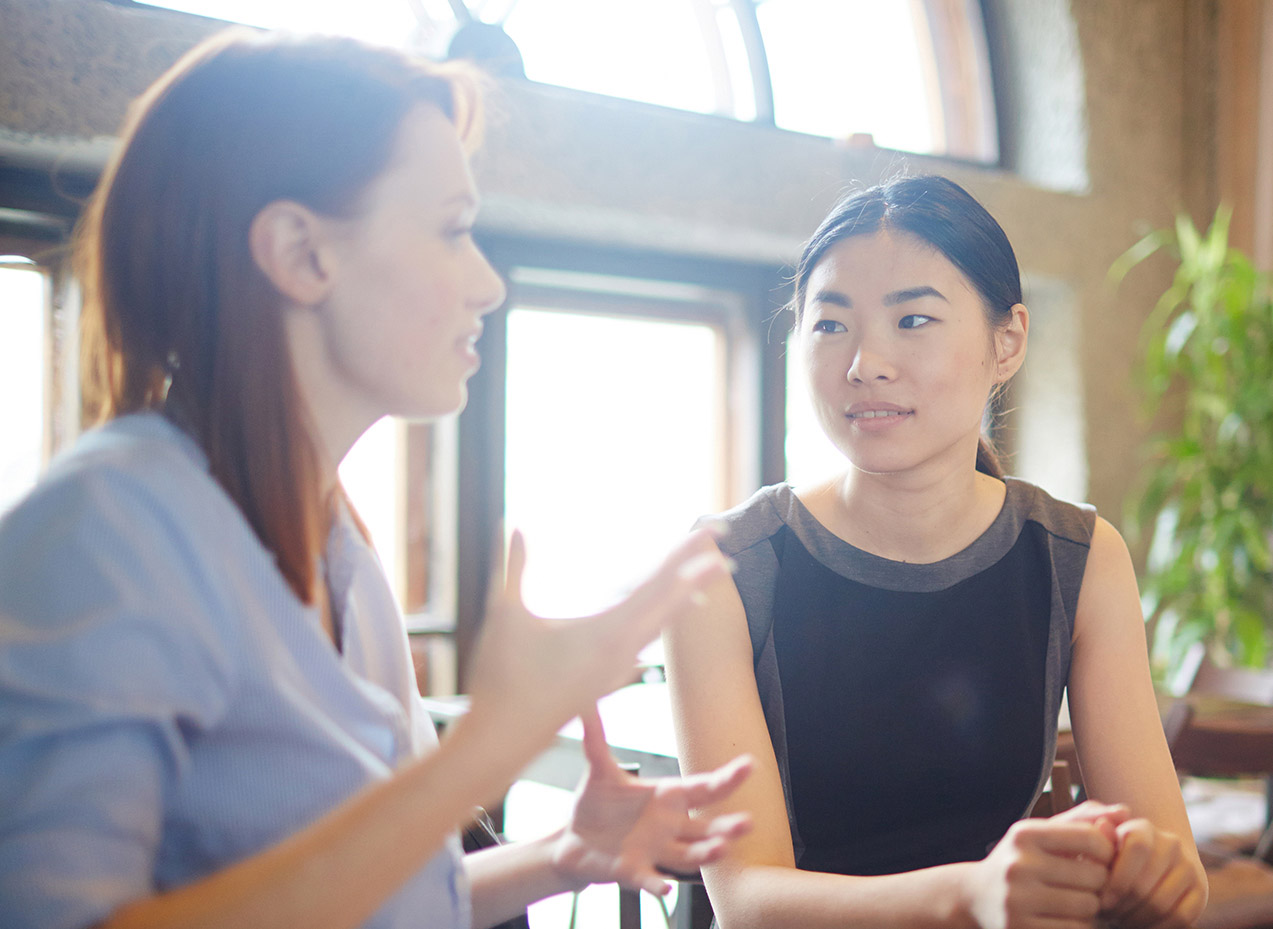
[[110, 662]]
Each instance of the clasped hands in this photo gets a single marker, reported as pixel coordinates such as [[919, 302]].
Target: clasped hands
[[1092, 862]]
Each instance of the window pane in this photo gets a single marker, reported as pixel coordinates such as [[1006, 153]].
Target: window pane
[[840, 67], [372, 476], [810, 454], [652, 50], [23, 355], [614, 435]]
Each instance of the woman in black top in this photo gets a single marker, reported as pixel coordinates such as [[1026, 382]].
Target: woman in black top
[[894, 646]]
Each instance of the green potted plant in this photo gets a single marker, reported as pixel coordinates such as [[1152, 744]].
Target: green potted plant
[[1206, 492]]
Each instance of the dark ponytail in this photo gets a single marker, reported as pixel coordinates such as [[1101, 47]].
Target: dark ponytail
[[988, 458]]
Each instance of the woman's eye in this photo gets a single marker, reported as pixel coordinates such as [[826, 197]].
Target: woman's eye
[[459, 232], [913, 321], [828, 325]]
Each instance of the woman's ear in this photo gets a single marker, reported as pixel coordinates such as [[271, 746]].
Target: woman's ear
[[1010, 344], [287, 244]]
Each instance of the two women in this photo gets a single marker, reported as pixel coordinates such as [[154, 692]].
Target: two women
[[207, 710], [208, 714], [895, 643]]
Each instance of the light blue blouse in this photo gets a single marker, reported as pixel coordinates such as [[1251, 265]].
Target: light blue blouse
[[167, 705]]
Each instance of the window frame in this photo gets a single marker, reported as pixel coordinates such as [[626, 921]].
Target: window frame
[[758, 293]]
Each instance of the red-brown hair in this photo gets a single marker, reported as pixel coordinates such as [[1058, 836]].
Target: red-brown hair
[[172, 294]]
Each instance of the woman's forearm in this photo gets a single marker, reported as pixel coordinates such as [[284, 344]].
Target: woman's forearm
[[336, 873], [774, 897]]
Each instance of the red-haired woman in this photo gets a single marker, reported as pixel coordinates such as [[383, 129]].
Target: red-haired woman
[[208, 715]]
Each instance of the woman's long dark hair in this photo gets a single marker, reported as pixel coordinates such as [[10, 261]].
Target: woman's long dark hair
[[172, 294], [941, 213]]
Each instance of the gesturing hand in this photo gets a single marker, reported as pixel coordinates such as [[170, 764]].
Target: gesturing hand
[[634, 830], [1047, 872], [531, 675]]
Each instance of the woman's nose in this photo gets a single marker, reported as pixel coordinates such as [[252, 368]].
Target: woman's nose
[[870, 364], [488, 287]]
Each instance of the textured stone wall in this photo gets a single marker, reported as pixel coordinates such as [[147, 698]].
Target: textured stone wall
[[68, 68], [1105, 125]]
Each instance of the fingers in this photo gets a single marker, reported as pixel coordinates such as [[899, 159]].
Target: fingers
[[684, 861], [1162, 903], [507, 566], [1068, 904], [595, 748], [1131, 868], [701, 843], [1109, 829], [713, 786], [1153, 881], [689, 569], [692, 565], [654, 883], [727, 827], [1056, 922], [1071, 839], [1092, 811], [515, 566], [1186, 911], [1077, 874]]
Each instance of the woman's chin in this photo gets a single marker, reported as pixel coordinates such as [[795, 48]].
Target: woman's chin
[[442, 407]]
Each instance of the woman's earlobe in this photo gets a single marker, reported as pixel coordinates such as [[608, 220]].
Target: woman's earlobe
[[286, 242]]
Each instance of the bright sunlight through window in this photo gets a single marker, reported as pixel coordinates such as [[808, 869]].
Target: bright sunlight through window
[[653, 51], [847, 66], [371, 475], [810, 455], [612, 452], [837, 67], [23, 349]]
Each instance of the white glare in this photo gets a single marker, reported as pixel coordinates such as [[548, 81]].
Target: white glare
[[22, 360]]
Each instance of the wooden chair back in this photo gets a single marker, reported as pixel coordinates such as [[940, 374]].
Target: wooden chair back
[[1059, 796], [1216, 750], [1200, 676]]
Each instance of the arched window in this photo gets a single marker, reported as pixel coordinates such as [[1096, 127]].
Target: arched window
[[910, 74], [913, 74]]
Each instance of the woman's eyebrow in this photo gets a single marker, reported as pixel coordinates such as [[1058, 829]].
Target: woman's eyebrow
[[834, 297], [912, 293]]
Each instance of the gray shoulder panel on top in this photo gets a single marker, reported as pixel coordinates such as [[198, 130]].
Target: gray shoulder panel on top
[[748, 530]]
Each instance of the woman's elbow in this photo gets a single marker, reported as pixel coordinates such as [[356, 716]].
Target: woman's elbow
[[739, 900]]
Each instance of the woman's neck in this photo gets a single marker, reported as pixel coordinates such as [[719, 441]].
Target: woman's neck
[[907, 519]]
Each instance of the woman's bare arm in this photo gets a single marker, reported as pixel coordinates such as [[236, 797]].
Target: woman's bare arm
[[1123, 754]]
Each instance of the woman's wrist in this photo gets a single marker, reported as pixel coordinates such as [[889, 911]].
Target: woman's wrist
[[959, 903], [562, 864]]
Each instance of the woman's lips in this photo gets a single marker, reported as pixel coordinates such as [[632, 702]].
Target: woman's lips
[[876, 416]]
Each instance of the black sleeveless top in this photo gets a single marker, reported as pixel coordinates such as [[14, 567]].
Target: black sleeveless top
[[912, 708]]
